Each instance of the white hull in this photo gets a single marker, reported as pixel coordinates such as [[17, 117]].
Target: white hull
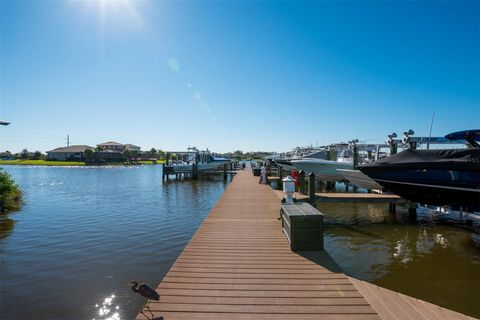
[[359, 179], [179, 168], [325, 170], [286, 167]]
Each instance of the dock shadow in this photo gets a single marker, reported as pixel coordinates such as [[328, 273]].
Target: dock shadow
[[321, 258]]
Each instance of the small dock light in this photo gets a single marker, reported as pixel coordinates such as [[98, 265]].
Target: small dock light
[[288, 189]]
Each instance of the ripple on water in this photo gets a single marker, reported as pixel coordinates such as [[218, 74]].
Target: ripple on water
[[85, 232]]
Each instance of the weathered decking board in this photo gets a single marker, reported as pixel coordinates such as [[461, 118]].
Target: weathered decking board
[[238, 265]]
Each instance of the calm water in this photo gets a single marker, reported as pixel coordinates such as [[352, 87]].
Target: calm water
[[85, 232], [436, 263]]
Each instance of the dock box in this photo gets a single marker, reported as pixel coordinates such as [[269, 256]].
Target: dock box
[[257, 172], [302, 224]]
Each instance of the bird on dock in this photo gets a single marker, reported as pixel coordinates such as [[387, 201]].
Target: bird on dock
[[148, 293]]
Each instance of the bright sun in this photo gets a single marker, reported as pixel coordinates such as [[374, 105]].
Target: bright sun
[[123, 11]]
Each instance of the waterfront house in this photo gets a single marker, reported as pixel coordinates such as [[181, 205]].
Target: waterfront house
[[109, 156], [71, 153], [111, 145], [132, 147]]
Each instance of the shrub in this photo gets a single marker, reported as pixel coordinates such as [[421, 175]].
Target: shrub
[[10, 194]]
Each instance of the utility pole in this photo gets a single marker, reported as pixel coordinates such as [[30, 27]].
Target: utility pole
[[68, 141]]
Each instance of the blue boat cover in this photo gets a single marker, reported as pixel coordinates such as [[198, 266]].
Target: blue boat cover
[[464, 135]]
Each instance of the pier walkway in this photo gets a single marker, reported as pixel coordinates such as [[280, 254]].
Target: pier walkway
[[238, 266]]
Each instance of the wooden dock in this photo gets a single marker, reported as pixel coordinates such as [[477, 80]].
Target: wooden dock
[[238, 266], [346, 197], [396, 306]]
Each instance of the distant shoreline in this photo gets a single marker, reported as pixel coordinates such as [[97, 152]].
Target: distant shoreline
[[45, 163]]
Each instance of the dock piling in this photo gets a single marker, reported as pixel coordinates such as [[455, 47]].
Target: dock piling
[[301, 181], [355, 156], [311, 188]]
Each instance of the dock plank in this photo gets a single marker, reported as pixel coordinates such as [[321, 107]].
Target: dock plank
[[394, 305], [238, 266]]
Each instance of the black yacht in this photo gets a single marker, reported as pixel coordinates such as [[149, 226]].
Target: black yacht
[[434, 177]]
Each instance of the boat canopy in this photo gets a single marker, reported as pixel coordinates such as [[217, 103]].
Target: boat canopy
[[437, 157], [472, 136]]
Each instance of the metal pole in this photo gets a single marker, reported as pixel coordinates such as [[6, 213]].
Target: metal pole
[[430, 133]]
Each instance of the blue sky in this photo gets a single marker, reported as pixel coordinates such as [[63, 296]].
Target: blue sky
[[235, 75]]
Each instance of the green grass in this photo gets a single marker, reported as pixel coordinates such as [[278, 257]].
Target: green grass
[[69, 163], [151, 162], [41, 163]]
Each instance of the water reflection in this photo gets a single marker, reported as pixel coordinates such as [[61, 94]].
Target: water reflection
[[6, 226], [425, 262], [361, 213], [94, 229], [107, 310]]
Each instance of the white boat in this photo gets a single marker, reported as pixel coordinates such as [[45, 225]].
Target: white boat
[[325, 170], [205, 161], [356, 177], [287, 165], [188, 167]]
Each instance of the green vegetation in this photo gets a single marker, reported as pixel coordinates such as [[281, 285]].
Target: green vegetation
[[10, 194], [240, 155], [73, 163], [41, 163], [150, 162]]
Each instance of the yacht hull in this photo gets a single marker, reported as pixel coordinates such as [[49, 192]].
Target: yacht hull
[[324, 170], [285, 164], [440, 177], [179, 168]]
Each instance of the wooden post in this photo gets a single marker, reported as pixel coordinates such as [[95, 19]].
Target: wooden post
[[330, 186], [355, 157], [412, 212], [195, 170], [392, 207], [280, 176], [301, 181], [224, 171], [311, 187]]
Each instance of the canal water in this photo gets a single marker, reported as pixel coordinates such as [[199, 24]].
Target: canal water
[[436, 263], [83, 233]]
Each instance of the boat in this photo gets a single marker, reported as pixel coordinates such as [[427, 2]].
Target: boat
[[433, 177], [325, 170], [205, 161], [287, 165], [356, 177]]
